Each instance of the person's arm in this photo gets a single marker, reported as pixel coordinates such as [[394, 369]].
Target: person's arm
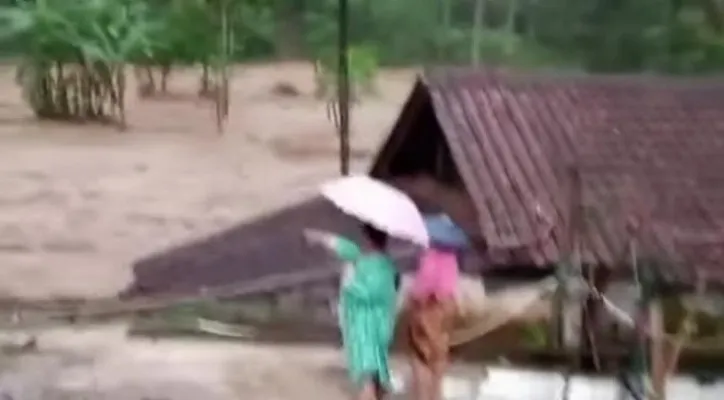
[[343, 248]]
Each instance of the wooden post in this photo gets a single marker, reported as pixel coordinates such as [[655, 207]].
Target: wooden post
[[648, 362], [657, 349], [599, 278], [343, 92], [640, 359], [571, 253], [222, 80], [478, 24], [556, 327]]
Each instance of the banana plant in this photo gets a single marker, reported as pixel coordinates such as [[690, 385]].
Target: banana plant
[[75, 54], [188, 36], [363, 69]]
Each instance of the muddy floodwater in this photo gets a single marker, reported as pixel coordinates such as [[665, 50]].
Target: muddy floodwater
[[80, 204], [103, 363]]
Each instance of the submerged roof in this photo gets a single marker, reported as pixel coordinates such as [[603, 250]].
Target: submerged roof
[[269, 248], [648, 146]]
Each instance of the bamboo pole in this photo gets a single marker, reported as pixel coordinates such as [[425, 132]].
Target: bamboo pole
[[657, 350], [640, 359], [478, 24], [222, 84], [571, 256], [343, 92]]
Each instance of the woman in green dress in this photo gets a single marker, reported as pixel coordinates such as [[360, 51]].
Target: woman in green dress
[[368, 302]]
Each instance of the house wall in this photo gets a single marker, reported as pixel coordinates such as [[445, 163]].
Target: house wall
[[417, 159], [433, 195]]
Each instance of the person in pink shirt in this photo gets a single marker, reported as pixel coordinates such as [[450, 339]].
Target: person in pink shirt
[[431, 307]]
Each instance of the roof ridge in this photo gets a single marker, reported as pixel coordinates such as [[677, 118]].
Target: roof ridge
[[435, 76]]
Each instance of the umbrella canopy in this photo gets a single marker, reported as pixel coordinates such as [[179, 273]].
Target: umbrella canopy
[[379, 205], [444, 231]]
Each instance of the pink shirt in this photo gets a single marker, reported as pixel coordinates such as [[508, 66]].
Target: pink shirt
[[437, 274]]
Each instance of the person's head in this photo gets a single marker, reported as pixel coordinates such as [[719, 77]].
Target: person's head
[[375, 237]]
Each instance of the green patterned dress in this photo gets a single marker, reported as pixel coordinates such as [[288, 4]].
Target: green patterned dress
[[368, 304]]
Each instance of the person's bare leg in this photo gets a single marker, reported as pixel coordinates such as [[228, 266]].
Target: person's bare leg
[[440, 365], [368, 391], [437, 374], [421, 380], [380, 391]]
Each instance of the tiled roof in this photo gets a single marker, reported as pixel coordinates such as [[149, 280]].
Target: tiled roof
[[271, 245], [642, 145]]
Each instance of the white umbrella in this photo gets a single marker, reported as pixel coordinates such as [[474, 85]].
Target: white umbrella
[[378, 204]]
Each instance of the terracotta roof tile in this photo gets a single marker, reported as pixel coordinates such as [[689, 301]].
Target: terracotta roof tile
[[264, 247], [642, 144], [271, 245]]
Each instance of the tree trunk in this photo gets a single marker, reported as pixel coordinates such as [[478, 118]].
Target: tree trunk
[[478, 25], [510, 26], [121, 96], [446, 23], [165, 72], [222, 86], [290, 29], [713, 10], [205, 85]]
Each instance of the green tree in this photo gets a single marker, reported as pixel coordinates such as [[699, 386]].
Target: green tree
[[74, 53]]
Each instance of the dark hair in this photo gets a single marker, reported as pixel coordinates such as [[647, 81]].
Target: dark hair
[[377, 237]]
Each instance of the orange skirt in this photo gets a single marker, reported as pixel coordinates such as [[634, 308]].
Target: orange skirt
[[427, 329]]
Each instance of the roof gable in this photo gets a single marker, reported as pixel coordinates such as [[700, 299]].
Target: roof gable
[[648, 146]]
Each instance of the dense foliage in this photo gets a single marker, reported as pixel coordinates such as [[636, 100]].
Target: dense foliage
[[74, 52], [677, 36]]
